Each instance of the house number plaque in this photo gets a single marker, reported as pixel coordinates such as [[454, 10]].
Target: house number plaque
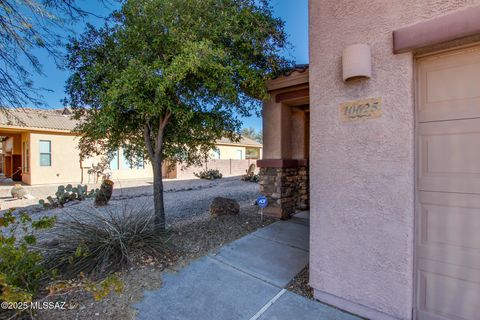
[[361, 109]]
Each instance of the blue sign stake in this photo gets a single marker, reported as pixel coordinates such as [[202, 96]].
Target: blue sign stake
[[262, 201]]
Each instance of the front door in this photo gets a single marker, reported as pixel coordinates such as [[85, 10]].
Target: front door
[[448, 186]]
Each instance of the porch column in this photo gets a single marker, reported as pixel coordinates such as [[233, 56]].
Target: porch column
[[285, 137], [299, 141], [284, 169]]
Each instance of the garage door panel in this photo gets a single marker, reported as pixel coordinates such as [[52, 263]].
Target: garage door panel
[[448, 186], [448, 226], [445, 254], [449, 88], [449, 156], [448, 296], [452, 226]]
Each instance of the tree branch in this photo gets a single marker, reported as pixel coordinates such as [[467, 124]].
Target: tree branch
[[161, 130], [148, 142]]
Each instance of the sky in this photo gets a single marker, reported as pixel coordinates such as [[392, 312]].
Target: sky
[[293, 12]]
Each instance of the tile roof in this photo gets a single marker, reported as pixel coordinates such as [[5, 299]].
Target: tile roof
[[300, 68], [59, 119], [243, 141], [53, 119]]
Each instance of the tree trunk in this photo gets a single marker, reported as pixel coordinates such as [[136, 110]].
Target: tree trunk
[[158, 205], [156, 157]]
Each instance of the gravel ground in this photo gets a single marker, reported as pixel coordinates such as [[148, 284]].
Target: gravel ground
[[191, 239], [194, 234], [183, 199], [122, 189], [300, 285]]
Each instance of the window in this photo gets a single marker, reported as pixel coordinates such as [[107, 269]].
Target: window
[[239, 154], [45, 147], [114, 161], [216, 153], [252, 153], [126, 164]]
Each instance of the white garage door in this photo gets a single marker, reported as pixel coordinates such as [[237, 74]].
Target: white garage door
[[448, 188]]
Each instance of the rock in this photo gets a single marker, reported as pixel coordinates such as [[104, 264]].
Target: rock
[[224, 206], [18, 192]]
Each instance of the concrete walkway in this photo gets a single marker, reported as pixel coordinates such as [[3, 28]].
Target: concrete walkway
[[243, 280]]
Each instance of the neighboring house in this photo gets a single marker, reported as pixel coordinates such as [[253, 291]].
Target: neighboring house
[[246, 148], [38, 147], [392, 154], [230, 158]]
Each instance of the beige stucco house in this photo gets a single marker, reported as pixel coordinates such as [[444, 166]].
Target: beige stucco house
[[38, 147], [385, 124]]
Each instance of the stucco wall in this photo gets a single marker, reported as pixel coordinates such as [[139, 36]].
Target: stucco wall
[[230, 152], [227, 167], [362, 173], [65, 163]]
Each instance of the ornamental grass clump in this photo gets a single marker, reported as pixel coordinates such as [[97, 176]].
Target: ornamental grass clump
[[97, 241]]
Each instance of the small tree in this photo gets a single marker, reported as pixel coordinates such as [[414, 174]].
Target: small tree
[[252, 134], [171, 77]]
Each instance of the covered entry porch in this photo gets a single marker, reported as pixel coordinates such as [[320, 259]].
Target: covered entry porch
[[284, 169], [14, 155]]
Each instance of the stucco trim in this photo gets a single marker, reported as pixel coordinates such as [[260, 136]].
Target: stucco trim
[[354, 308], [19, 129], [294, 79], [450, 27], [281, 163], [290, 95]]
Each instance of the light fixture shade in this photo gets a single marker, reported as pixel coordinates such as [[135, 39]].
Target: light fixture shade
[[357, 61]]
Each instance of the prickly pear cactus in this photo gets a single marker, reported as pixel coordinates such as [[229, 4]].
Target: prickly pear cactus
[[68, 193]]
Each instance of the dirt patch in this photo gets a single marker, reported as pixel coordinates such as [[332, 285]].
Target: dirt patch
[[299, 284], [189, 240]]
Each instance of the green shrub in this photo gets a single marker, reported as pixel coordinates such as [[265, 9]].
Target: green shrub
[[210, 174], [96, 242], [67, 193], [251, 177], [21, 268], [24, 273]]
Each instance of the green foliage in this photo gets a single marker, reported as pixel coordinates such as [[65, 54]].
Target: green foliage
[[170, 77], [67, 193], [252, 177], [97, 243], [159, 69], [99, 289], [21, 268], [251, 133], [210, 174]]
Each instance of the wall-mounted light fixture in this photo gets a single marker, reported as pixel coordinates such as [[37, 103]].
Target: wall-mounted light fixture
[[357, 61]]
